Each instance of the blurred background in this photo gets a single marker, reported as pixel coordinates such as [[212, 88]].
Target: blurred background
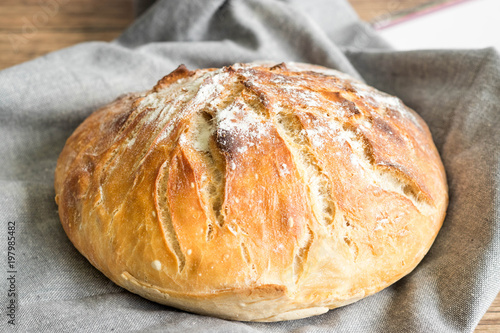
[[31, 28]]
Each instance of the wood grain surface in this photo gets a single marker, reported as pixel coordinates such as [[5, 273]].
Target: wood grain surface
[[32, 28]]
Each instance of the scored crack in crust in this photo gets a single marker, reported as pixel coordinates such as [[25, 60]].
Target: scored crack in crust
[[253, 192]]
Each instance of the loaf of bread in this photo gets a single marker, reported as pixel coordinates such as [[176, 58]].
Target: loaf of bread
[[253, 192]]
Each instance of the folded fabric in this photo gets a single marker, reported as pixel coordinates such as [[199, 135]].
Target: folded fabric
[[42, 102]]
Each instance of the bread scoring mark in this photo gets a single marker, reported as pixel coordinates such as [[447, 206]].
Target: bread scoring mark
[[301, 254], [213, 184], [216, 188], [399, 181], [245, 253], [203, 130], [350, 109], [392, 178], [353, 247], [201, 136], [319, 185], [256, 101], [164, 216], [210, 232], [389, 177], [358, 142], [179, 73]]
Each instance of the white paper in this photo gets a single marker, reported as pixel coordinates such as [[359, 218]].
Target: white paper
[[470, 24]]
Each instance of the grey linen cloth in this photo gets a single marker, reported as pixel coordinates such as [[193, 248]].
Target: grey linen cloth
[[44, 100]]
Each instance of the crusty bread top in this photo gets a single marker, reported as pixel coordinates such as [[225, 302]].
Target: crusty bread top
[[253, 192]]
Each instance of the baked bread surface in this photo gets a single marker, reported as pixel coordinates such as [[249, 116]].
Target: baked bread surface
[[253, 192]]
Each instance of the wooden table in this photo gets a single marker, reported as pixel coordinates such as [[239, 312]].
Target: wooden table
[[31, 28]]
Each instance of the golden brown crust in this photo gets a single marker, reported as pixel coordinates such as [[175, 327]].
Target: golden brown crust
[[253, 192]]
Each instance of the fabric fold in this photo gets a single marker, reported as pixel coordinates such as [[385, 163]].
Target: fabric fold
[[42, 101]]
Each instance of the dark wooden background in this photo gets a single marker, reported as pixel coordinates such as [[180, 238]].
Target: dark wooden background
[[31, 28]]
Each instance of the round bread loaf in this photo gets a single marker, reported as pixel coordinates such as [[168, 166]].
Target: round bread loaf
[[253, 192]]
